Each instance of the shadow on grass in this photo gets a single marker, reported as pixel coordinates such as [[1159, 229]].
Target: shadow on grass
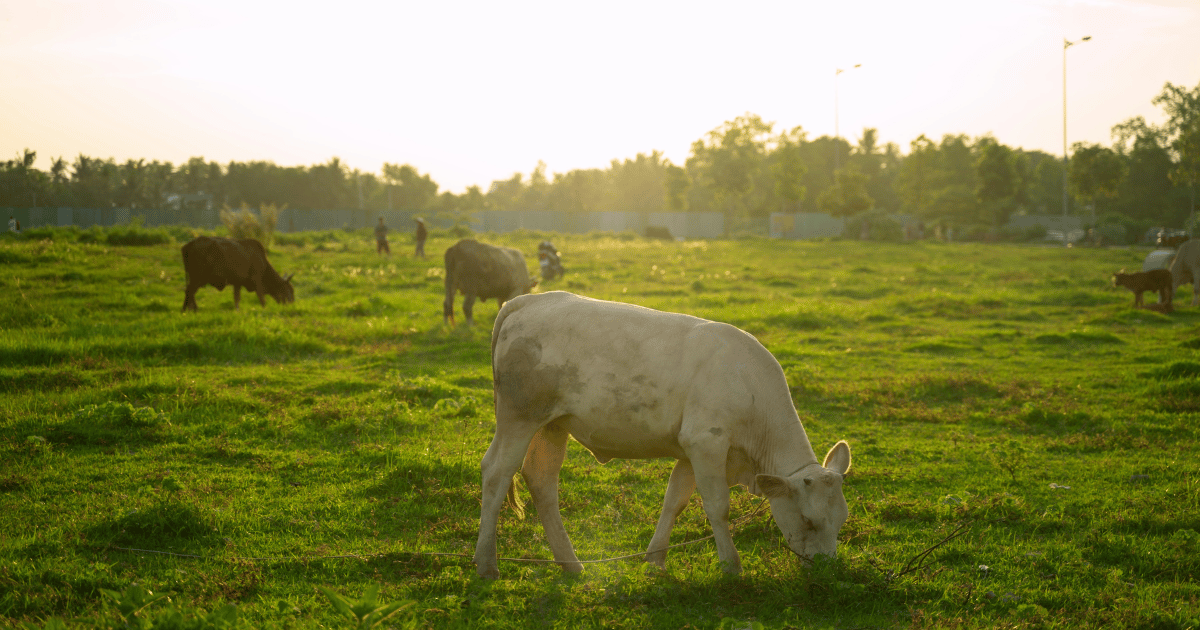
[[168, 524], [180, 352], [106, 424]]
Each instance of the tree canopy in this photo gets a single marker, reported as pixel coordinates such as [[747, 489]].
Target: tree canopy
[[742, 168]]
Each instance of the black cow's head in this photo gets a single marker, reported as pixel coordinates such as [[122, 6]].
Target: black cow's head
[[282, 290]]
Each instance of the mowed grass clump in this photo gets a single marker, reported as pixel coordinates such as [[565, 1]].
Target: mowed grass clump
[[1011, 417]]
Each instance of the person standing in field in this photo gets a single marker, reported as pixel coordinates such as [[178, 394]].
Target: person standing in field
[[381, 243], [12, 223], [422, 234]]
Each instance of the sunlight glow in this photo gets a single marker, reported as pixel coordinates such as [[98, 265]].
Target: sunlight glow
[[471, 92]]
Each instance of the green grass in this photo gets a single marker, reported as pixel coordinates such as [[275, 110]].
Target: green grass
[[330, 443]]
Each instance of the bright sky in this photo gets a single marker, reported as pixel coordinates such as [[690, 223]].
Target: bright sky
[[471, 92]]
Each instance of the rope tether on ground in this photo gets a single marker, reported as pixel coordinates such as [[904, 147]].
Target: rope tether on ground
[[360, 556]]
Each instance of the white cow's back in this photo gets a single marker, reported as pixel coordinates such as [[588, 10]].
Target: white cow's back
[[620, 377]]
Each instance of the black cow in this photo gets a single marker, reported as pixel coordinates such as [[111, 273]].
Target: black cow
[[483, 271], [240, 262]]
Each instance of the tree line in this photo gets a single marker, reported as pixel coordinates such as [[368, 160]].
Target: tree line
[[743, 168]]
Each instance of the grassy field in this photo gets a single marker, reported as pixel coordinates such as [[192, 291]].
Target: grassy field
[[1007, 393]]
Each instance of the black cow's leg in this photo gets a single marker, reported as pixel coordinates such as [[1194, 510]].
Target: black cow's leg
[[189, 298], [469, 307], [237, 297]]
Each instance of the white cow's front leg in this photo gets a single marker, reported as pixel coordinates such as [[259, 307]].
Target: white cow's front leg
[[542, 463], [708, 465], [679, 490]]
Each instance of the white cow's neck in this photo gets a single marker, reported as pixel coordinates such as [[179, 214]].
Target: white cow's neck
[[802, 468]]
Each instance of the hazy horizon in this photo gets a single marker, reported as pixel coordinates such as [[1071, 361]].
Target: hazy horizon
[[472, 92]]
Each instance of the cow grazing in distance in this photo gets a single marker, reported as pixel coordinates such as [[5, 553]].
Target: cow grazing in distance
[[1174, 240], [239, 262], [483, 271], [631, 382], [1158, 280], [660, 232], [1186, 268]]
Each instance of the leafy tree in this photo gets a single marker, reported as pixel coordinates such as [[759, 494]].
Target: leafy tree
[[788, 169], [676, 188], [880, 165], [410, 189], [328, 186], [21, 183], [640, 184], [726, 160], [1096, 172], [93, 182], [848, 195], [821, 155], [194, 176], [581, 190], [506, 194], [1182, 134], [130, 190], [918, 179], [534, 196], [1039, 182], [940, 181], [996, 167]]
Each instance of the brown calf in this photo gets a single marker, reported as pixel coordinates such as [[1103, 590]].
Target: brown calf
[[1154, 280]]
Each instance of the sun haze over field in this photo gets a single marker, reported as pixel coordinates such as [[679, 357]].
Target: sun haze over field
[[472, 92]]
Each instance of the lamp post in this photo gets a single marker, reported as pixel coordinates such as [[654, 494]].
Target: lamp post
[[1066, 44], [836, 133]]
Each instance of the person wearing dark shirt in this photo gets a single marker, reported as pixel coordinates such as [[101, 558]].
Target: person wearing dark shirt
[[381, 243], [422, 234]]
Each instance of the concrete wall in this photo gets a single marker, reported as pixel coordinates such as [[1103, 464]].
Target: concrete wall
[[681, 224], [802, 225]]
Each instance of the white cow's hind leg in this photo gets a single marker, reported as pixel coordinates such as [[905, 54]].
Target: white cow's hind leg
[[500, 463], [679, 490], [542, 463]]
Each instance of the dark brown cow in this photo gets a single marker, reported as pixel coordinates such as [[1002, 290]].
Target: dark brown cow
[[483, 271], [239, 262], [1158, 280]]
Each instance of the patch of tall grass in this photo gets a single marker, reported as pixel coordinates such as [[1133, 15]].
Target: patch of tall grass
[[244, 223]]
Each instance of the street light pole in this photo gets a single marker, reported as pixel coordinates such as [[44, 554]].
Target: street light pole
[[836, 133], [1066, 44]]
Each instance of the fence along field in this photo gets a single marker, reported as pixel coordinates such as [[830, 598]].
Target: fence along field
[[1005, 394]]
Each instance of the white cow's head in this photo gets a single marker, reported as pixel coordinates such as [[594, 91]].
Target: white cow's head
[[808, 506]]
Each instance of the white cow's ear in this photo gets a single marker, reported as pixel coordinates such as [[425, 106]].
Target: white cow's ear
[[773, 487], [838, 458]]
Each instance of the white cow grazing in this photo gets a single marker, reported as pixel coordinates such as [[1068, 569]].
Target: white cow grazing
[[1186, 268], [632, 382]]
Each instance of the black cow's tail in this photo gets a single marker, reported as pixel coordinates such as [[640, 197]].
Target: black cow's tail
[[184, 252], [451, 286]]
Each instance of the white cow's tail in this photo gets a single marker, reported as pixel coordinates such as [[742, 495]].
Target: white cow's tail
[[509, 308], [514, 497]]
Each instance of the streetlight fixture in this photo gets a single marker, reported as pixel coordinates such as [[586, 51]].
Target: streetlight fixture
[[1066, 44], [836, 133]]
